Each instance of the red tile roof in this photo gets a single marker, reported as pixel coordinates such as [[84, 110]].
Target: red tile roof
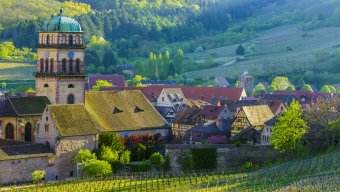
[[211, 112], [117, 80], [309, 96], [190, 92]]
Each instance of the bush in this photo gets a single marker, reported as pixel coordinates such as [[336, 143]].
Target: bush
[[138, 152], [149, 151], [238, 143], [167, 163], [38, 175], [156, 159], [240, 50], [85, 156], [125, 157], [107, 154], [112, 140], [97, 168], [143, 166], [187, 163], [204, 158]]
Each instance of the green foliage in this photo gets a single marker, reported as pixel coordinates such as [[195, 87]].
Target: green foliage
[[204, 158], [289, 129], [112, 140], [238, 144], [167, 163], [334, 130], [107, 154], [136, 81], [271, 89], [84, 156], [307, 87], [187, 163], [248, 166], [138, 152], [281, 83], [125, 157], [259, 88], [290, 88], [9, 52], [38, 175], [142, 166], [156, 159], [30, 90], [325, 89], [240, 50], [96, 168], [101, 83]]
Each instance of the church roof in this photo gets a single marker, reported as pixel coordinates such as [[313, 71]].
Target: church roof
[[23, 106], [123, 111], [72, 120], [258, 114], [61, 23]]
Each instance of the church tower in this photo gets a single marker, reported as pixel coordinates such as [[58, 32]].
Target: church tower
[[246, 81], [60, 61]]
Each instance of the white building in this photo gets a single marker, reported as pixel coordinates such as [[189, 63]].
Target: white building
[[171, 97], [267, 131]]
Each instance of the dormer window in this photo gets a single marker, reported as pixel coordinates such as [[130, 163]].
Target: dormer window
[[138, 110], [116, 110]]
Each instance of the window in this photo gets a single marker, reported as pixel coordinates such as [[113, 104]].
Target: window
[[162, 99], [70, 40], [28, 132], [46, 85], [70, 99], [41, 65], [46, 65], [48, 40], [77, 39], [78, 65], [9, 134], [46, 118], [137, 109], [63, 39], [47, 127], [70, 86], [63, 66], [51, 66], [116, 110], [70, 65]]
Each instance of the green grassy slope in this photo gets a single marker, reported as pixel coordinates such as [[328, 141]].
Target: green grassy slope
[[270, 52], [320, 173]]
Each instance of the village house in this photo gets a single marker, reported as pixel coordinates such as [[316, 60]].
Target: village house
[[251, 116], [197, 103], [171, 97], [168, 113], [185, 120], [267, 131], [65, 129], [19, 117], [248, 135], [125, 112], [212, 113]]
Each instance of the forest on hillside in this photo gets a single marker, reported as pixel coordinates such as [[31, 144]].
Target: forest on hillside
[[130, 31]]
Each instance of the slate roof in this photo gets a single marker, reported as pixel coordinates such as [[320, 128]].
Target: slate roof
[[163, 110], [197, 103], [235, 105], [158, 82], [211, 127], [211, 112], [258, 115], [190, 92], [187, 115], [272, 121], [23, 106], [10, 150], [72, 120], [239, 135], [221, 81], [116, 80], [309, 96], [123, 111]]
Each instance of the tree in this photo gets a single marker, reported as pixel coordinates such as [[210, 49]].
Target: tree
[[289, 129], [171, 71], [30, 90], [166, 63], [96, 168], [38, 175], [3, 85], [281, 83], [112, 140], [325, 89], [290, 88], [307, 87], [85, 156], [259, 88], [240, 50], [334, 130], [107, 154], [271, 89], [178, 61], [101, 83], [156, 159]]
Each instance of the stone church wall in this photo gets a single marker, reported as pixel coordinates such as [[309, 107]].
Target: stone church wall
[[228, 156]]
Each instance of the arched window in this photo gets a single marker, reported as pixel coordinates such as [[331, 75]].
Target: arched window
[[42, 40], [70, 86], [46, 85], [77, 39], [48, 40], [41, 65], [70, 39], [63, 39], [70, 99], [78, 65], [9, 131], [70, 66], [63, 66], [28, 132], [52, 66], [46, 66]]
